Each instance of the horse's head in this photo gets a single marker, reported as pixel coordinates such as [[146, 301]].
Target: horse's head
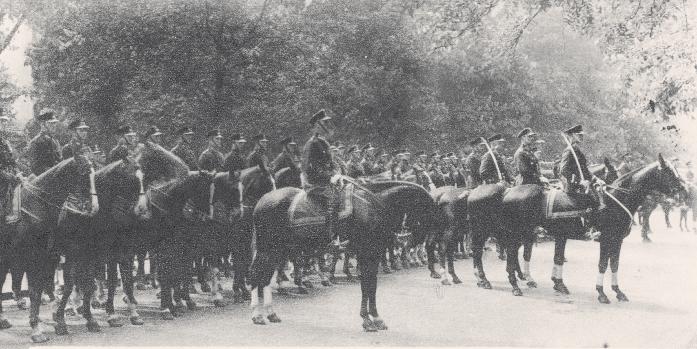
[[610, 171], [158, 164], [318, 153], [123, 179], [668, 179]]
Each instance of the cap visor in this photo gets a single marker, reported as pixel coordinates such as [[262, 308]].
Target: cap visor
[[52, 120], [157, 134], [130, 134]]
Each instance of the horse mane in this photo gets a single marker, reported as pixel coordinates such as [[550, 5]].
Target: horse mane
[[54, 171], [630, 175], [168, 164]]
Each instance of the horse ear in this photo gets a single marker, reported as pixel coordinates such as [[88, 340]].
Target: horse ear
[[607, 163], [661, 160]]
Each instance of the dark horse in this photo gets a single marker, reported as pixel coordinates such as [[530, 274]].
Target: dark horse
[[364, 228], [523, 208], [80, 238], [452, 225], [32, 241]]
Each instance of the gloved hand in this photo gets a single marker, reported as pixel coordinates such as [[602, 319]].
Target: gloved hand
[[337, 180]]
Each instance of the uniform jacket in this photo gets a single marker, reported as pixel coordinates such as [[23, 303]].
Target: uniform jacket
[[487, 168], [282, 160], [258, 158], [234, 161], [355, 169], [211, 160], [314, 174], [44, 152], [471, 167], [75, 147], [184, 152], [569, 169], [527, 166]]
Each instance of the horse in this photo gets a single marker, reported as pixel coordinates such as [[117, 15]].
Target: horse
[[523, 208], [364, 228], [32, 240], [81, 237], [451, 228]]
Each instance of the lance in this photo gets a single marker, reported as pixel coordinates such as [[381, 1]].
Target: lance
[[491, 152], [573, 152]]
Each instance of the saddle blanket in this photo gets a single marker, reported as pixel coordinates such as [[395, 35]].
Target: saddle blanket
[[561, 204], [311, 209]]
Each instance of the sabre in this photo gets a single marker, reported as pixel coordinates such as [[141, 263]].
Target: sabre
[[496, 163], [631, 216], [573, 152]]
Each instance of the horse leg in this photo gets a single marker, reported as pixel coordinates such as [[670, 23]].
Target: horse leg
[[444, 254], [140, 272], [17, 273], [478, 240], [512, 247], [263, 269], [365, 265], [167, 310], [4, 266], [215, 290], [321, 262], [84, 278], [126, 265], [527, 256], [666, 215], [68, 283], [430, 251], [37, 279], [602, 267], [385, 260], [557, 270], [615, 248], [451, 265], [112, 280], [347, 266]]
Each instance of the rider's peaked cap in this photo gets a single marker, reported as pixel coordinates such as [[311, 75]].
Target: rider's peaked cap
[[125, 130], [476, 141], [79, 123], [260, 138], [47, 115], [213, 133], [578, 129], [289, 141], [367, 147], [186, 130], [526, 132], [237, 137], [319, 116], [351, 149], [494, 138], [153, 131]]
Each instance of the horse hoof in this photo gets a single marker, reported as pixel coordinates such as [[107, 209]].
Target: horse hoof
[[387, 270], [517, 292], [603, 299], [167, 315], [326, 283], [369, 326], [191, 305], [307, 284], [532, 284], [21, 304], [141, 287], [114, 323], [39, 338], [137, 321], [95, 304], [158, 295], [93, 326], [435, 275], [61, 329], [219, 303], [622, 297], [445, 282], [258, 320], [380, 325], [301, 290], [4, 324], [456, 280], [561, 288], [484, 284], [273, 318]]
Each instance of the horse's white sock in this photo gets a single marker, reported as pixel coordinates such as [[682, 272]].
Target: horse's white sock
[[614, 279], [599, 281], [555, 271], [255, 301], [132, 310], [268, 300], [526, 268], [560, 271]]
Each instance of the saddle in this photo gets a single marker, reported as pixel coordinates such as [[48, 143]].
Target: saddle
[[561, 204], [310, 207]]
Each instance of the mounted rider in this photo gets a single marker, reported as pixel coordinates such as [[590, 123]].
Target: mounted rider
[[78, 142], [493, 164], [525, 160], [127, 147], [368, 160], [353, 166], [9, 178], [154, 135], [574, 171], [44, 149], [258, 156], [183, 148], [286, 158], [234, 161], [211, 159], [321, 181], [472, 163]]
